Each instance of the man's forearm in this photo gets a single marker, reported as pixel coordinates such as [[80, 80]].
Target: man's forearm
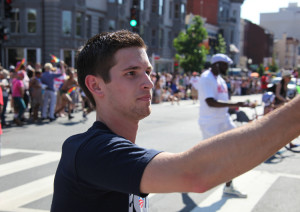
[[217, 103], [232, 153], [225, 156]]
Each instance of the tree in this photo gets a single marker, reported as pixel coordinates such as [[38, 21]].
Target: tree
[[191, 52], [273, 67], [261, 70], [221, 45]]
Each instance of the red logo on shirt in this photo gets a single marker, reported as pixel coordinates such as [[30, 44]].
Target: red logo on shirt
[[221, 89], [141, 202]]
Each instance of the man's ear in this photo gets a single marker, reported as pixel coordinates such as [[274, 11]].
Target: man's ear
[[95, 85]]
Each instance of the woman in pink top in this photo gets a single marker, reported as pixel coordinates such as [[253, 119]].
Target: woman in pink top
[[17, 94]]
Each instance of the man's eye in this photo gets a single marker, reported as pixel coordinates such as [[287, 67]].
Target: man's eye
[[131, 73]]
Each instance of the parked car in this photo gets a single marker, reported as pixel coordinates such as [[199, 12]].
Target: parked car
[[292, 86]]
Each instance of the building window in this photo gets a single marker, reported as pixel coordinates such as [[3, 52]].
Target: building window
[[111, 1], [15, 21], [120, 1], [66, 22], [234, 14], [88, 26], [15, 55], [153, 37], [142, 6], [111, 25], [170, 9], [31, 57], [177, 11], [160, 7], [154, 6], [100, 25], [31, 21], [161, 38], [79, 24], [221, 11], [182, 10], [170, 39], [68, 57]]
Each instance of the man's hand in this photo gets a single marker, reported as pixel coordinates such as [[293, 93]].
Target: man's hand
[[247, 104]]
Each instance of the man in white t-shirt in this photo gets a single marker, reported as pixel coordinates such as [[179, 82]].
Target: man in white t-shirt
[[194, 81], [213, 115]]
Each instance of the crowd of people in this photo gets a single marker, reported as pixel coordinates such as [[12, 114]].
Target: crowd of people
[[176, 87], [35, 94], [51, 91]]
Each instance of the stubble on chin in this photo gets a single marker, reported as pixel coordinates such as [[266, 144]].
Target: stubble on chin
[[142, 113]]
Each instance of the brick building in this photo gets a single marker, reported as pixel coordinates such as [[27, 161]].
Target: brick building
[[257, 43]]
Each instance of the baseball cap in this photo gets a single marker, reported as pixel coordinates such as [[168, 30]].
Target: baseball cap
[[220, 58], [286, 73]]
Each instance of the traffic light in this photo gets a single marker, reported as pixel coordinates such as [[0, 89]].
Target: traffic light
[[4, 33], [133, 17], [176, 65], [7, 8]]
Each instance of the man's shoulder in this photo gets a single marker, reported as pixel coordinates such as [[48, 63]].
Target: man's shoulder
[[206, 75], [97, 135]]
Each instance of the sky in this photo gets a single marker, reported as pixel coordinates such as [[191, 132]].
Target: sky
[[251, 9]]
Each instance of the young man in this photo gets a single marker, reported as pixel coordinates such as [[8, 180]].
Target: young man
[[104, 170], [214, 104]]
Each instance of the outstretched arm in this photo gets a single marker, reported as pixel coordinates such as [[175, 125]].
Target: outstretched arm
[[217, 103], [225, 156]]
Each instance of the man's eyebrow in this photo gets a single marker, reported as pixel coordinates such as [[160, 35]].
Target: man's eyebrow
[[137, 67]]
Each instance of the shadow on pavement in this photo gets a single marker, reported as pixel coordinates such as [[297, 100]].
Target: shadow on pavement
[[190, 204]]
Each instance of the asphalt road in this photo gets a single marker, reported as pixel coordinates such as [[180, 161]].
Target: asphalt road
[[30, 155]]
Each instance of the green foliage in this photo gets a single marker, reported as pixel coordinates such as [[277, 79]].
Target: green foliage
[[261, 69], [221, 45], [273, 67], [190, 53]]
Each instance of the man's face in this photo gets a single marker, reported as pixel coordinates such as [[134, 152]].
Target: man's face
[[223, 68], [129, 92]]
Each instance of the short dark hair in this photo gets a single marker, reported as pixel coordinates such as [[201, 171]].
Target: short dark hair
[[96, 57]]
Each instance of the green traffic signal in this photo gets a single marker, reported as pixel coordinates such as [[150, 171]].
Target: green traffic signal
[[133, 23]]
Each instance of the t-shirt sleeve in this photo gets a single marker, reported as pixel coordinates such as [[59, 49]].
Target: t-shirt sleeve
[[206, 87], [114, 164]]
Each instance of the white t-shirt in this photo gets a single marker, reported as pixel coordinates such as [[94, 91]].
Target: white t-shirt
[[194, 81], [211, 86]]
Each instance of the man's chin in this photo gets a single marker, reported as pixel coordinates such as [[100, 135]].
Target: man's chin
[[145, 113]]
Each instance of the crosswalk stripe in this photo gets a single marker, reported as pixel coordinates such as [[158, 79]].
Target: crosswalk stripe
[[5, 152], [15, 198], [28, 163], [27, 210], [253, 183], [9, 150]]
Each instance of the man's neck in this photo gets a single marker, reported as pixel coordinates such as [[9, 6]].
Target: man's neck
[[214, 72], [120, 126]]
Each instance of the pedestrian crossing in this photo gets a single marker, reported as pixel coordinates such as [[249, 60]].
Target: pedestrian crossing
[[13, 199], [255, 183]]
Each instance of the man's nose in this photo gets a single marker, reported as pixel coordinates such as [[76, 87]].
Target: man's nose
[[147, 82]]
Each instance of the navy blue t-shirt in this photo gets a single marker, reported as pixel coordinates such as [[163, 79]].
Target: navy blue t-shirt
[[100, 171]]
